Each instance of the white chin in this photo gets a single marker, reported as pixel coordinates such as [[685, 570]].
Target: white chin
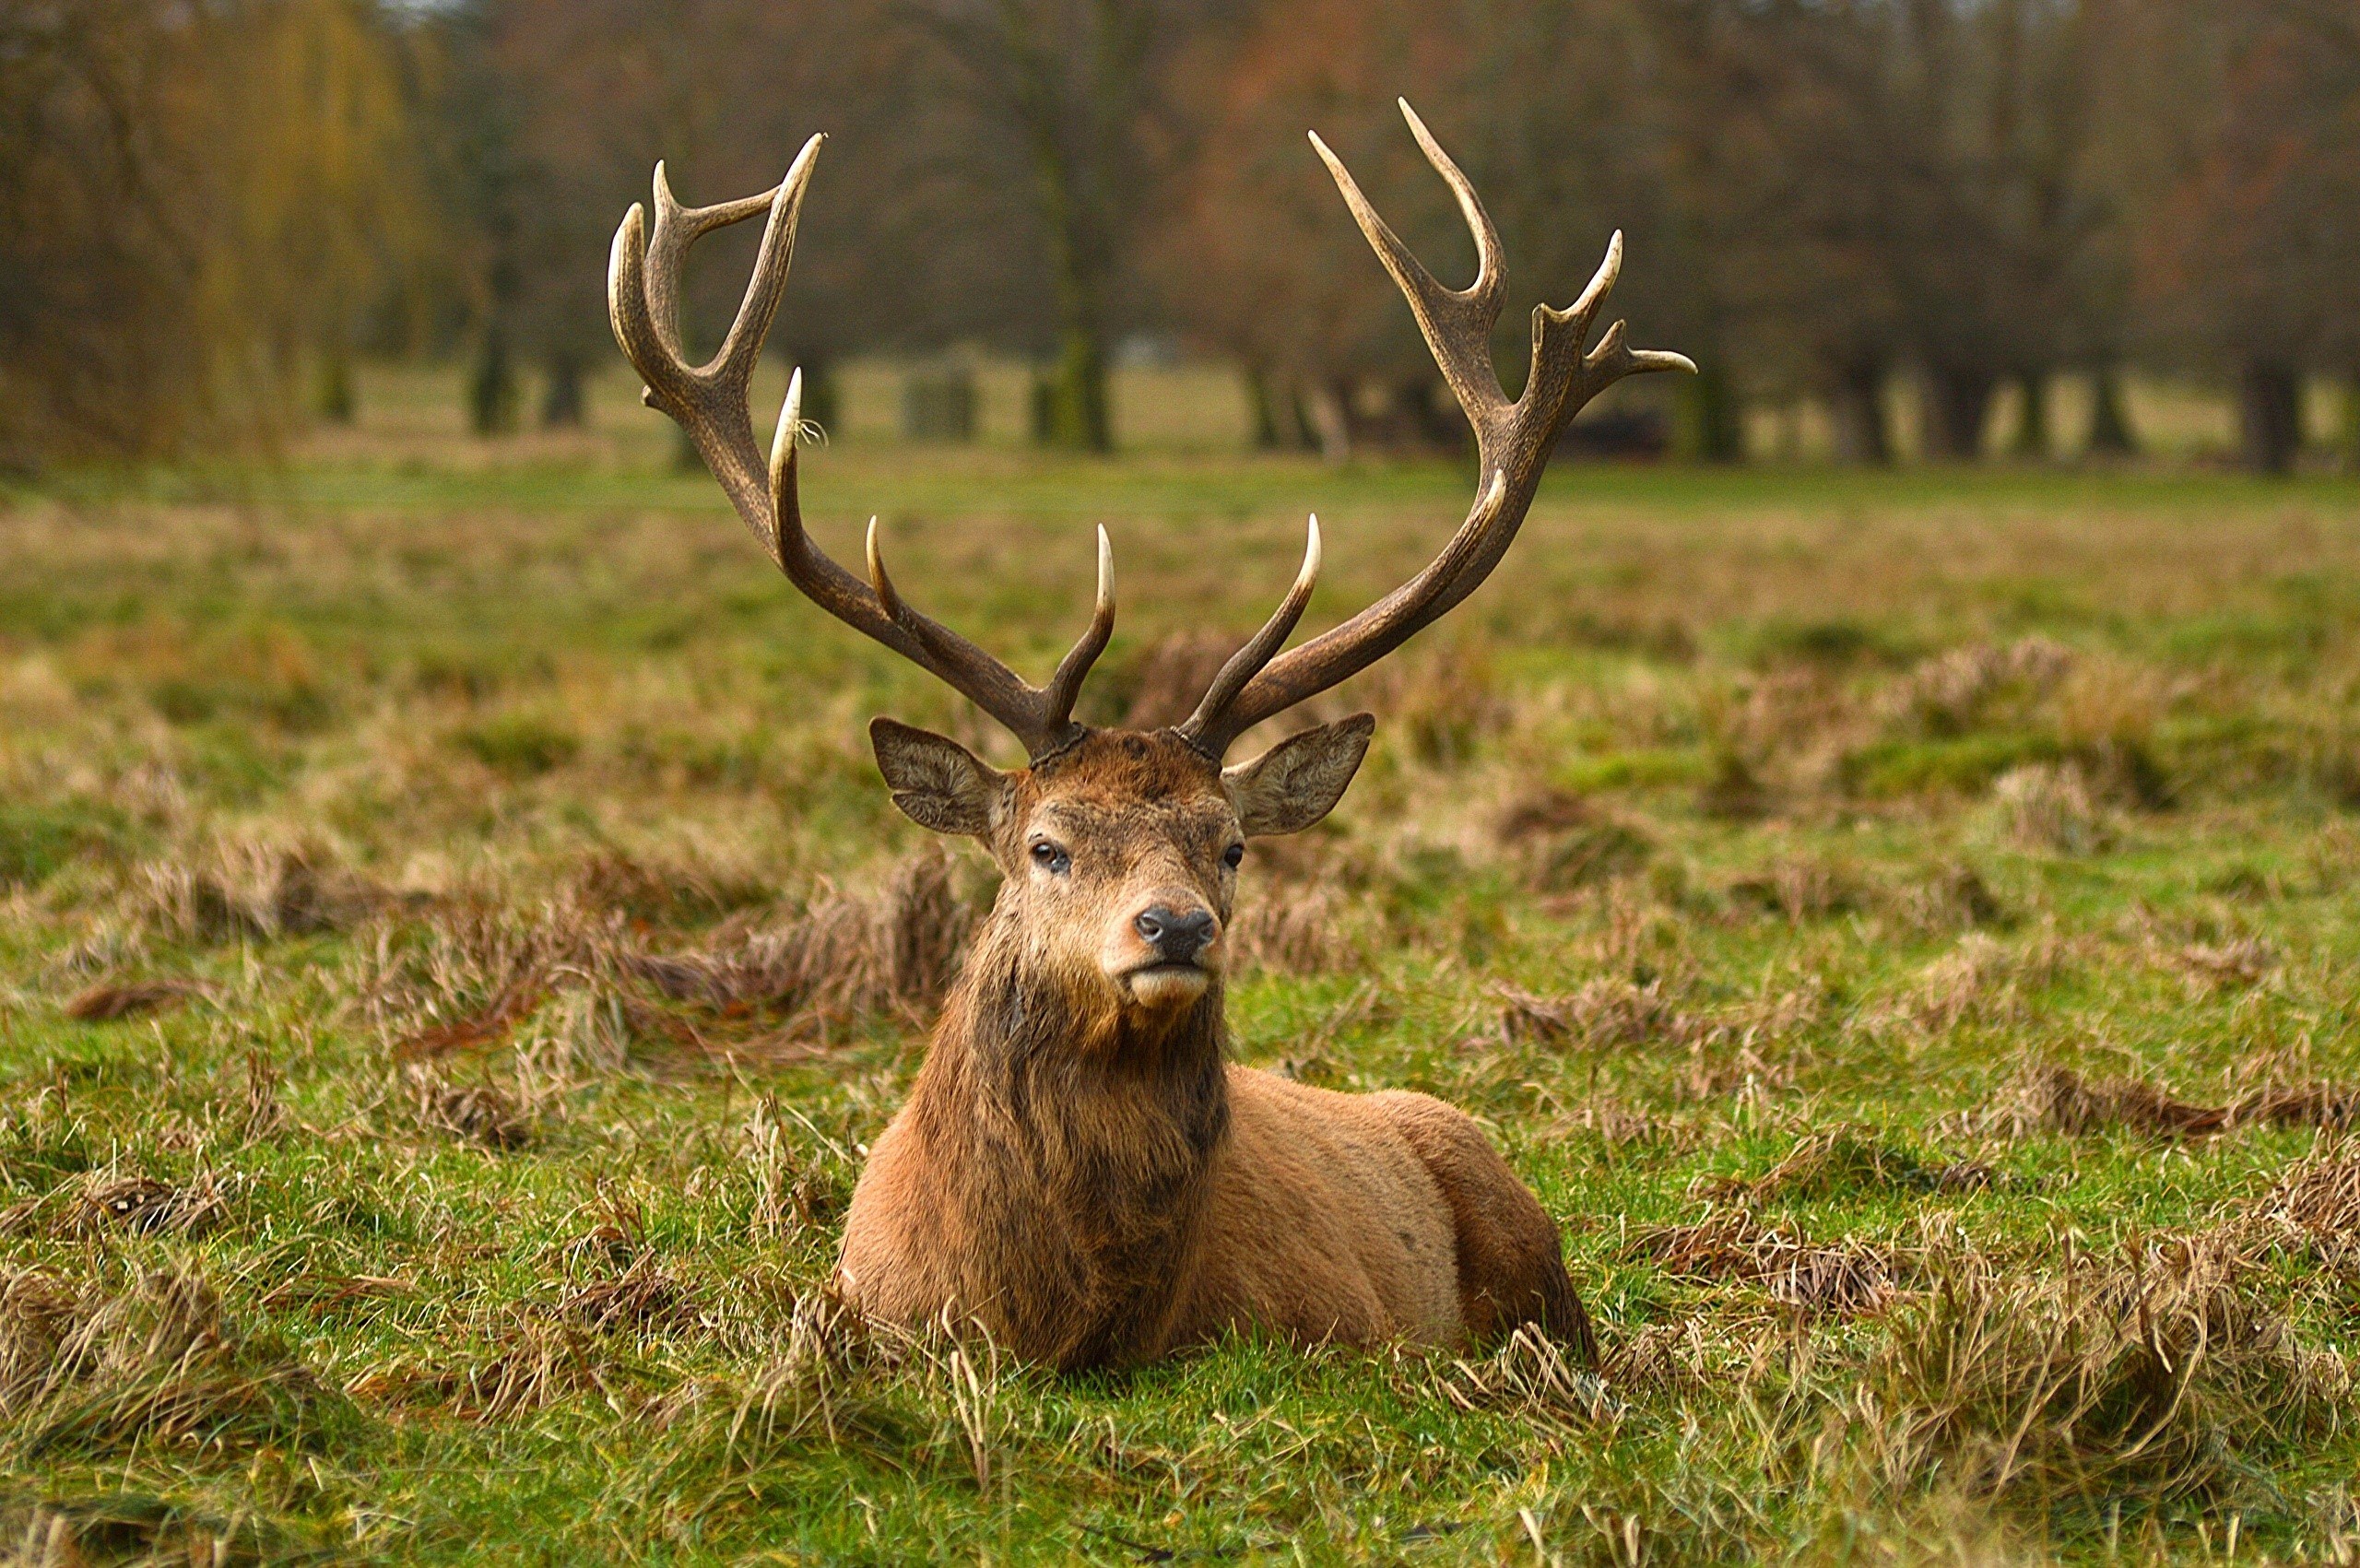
[[1166, 986]]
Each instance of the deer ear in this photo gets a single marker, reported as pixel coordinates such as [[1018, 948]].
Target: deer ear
[[937, 783], [1297, 781]]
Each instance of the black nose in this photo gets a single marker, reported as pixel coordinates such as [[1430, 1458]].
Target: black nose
[[1176, 938]]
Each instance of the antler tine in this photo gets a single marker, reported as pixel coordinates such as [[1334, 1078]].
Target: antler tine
[[1065, 686], [1203, 728], [1513, 442], [1457, 323], [709, 402]]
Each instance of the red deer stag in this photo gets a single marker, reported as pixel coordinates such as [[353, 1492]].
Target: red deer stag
[[1078, 1168]]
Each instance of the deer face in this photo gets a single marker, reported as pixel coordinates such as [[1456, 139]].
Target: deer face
[[1121, 852]]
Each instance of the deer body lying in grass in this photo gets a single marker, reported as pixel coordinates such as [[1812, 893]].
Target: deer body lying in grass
[[1079, 1169]]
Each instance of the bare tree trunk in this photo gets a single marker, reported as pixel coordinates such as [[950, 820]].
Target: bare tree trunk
[[1076, 205], [563, 403], [1429, 422], [334, 399], [1857, 406], [819, 400], [1958, 402], [2032, 443], [2351, 441], [2270, 416], [1078, 407], [2110, 433], [491, 389], [1281, 423], [1329, 409], [1708, 424], [1262, 409]]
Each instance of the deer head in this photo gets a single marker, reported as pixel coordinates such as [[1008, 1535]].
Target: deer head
[[1120, 849]]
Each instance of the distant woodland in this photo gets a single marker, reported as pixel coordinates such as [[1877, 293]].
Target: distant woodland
[[211, 210]]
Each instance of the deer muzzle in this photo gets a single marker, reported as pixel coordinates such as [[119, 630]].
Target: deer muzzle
[[1163, 957]]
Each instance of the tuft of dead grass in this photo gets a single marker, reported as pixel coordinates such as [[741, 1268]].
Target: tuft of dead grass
[[479, 972], [1956, 690], [1170, 679], [1952, 897], [790, 1193], [1291, 928], [96, 1369], [843, 959], [2059, 1099], [479, 1114], [1532, 1379], [1844, 1278], [108, 1003], [2147, 1374], [2236, 964], [2310, 1103], [1801, 890], [1605, 1012], [1845, 1160], [2319, 1198], [242, 890], [148, 1207], [1560, 842], [1975, 982], [2050, 807]]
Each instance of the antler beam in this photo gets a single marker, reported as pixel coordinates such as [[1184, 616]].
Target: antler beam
[[1513, 442], [711, 403]]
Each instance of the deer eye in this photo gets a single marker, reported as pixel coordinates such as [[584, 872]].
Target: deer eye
[[1049, 857], [1233, 855]]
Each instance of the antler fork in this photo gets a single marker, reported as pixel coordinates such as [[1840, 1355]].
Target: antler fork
[[711, 402], [1513, 442]]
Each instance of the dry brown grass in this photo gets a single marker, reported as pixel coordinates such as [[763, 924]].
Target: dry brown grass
[[480, 1113], [2050, 807], [569, 844], [1732, 1246], [1956, 690], [242, 889], [2059, 1099], [2319, 1198], [1842, 1160], [1605, 1013], [1531, 1379], [2139, 1376], [1292, 928], [99, 1368], [477, 972], [108, 1003]]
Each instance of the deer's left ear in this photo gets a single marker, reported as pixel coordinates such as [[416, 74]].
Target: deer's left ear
[[1297, 781]]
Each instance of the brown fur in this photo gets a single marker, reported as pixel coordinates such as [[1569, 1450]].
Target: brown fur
[[1077, 1168]]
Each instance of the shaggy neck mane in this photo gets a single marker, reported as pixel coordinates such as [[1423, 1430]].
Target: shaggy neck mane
[[1071, 1144]]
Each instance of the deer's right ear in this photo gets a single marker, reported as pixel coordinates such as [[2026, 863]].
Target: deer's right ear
[[937, 783], [1297, 781]]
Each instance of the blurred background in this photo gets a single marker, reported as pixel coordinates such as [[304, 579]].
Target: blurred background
[[1887, 230]]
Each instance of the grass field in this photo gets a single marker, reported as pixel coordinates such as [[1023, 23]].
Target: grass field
[[454, 948]]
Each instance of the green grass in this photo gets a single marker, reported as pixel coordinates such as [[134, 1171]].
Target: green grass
[[1750, 856]]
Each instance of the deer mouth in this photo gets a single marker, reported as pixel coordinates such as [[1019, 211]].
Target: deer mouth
[[1167, 985]]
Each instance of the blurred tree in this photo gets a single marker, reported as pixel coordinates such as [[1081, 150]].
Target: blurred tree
[[917, 232], [1076, 89], [196, 201], [2249, 243]]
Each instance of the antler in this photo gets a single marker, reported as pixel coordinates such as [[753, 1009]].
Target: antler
[[710, 403], [1513, 441]]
